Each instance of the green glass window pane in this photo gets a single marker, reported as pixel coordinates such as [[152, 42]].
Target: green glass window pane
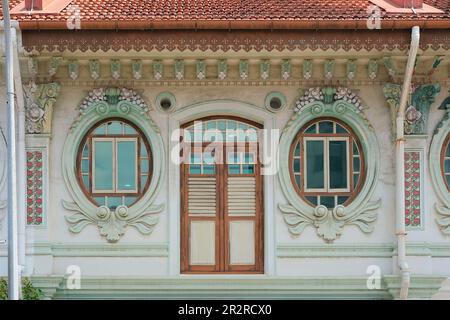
[[103, 165], [340, 129], [327, 201], [298, 181], [447, 152], [86, 182], [85, 166], [144, 152], [233, 157], [296, 165], [231, 125], [326, 127], [356, 164], [252, 135], [230, 135], [144, 166], [209, 169], [311, 129], [195, 169], [342, 199], [355, 149], [447, 165], [208, 158], [85, 153], [114, 202], [297, 150], [100, 200], [243, 126], [115, 127], [143, 181], [248, 169], [221, 125], [126, 165], [248, 158], [195, 158], [100, 130], [315, 165], [129, 201], [211, 125], [355, 180], [187, 135], [198, 135], [234, 169], [338, 164], [448, 180], [312, 199], [129, 130]]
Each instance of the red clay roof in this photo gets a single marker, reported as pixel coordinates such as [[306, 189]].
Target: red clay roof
[[211, 14]]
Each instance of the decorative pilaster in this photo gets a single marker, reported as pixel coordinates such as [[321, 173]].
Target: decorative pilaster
[[73, 69], [54, 65], [307, 69], [200, 67], [413, 188], [136, 69], [94, 69], [264, 69], [416, 114], [115, 68], [285, 69], [390, 67], [35, 186], [179, 69], [351, 69], [222, 69], [40, 100], [243, 69], [158, 69], [329, 69], [372, 69]]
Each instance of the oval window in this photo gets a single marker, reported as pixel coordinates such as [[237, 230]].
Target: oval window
[[326, 163], [114, 163]]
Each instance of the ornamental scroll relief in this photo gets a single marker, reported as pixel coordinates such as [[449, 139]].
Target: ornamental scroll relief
[[101, 104], [342, 104]]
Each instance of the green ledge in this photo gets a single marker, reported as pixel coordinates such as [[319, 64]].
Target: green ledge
[[250, 287], [362, 250]]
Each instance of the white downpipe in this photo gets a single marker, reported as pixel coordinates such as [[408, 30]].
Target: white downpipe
[[400, 166], [13, 259], [21, 154]]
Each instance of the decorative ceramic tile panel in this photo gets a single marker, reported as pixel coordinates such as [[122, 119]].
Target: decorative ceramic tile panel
[[35, 199], [413, 186]]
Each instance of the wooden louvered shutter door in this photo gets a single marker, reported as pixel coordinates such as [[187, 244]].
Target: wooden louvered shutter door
[[201, 217], [243, 210]]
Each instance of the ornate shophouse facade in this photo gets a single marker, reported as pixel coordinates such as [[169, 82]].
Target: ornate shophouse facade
[[283, 115]]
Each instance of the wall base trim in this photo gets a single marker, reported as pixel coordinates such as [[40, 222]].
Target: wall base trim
[[54, 287]]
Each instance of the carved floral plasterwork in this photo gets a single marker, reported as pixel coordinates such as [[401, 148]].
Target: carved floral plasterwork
[[343, 104], [99, 104]]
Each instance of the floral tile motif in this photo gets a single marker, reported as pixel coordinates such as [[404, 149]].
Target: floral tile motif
[[412, 189], [34, 188]]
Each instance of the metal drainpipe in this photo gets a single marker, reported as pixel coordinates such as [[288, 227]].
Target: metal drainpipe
[[400, 166], [13, 263], [21, 154]]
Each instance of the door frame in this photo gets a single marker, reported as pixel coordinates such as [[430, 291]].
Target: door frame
[[223, 108]]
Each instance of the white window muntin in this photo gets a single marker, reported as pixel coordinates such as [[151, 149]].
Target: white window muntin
[[114, 142], [326, 162]]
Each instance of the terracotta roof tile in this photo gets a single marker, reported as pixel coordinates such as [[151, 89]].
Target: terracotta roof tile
[[179, 10]]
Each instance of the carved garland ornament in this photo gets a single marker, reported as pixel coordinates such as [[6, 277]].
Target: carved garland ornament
[[346, 106], [143, 215], [440, 134], [39, 102]]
